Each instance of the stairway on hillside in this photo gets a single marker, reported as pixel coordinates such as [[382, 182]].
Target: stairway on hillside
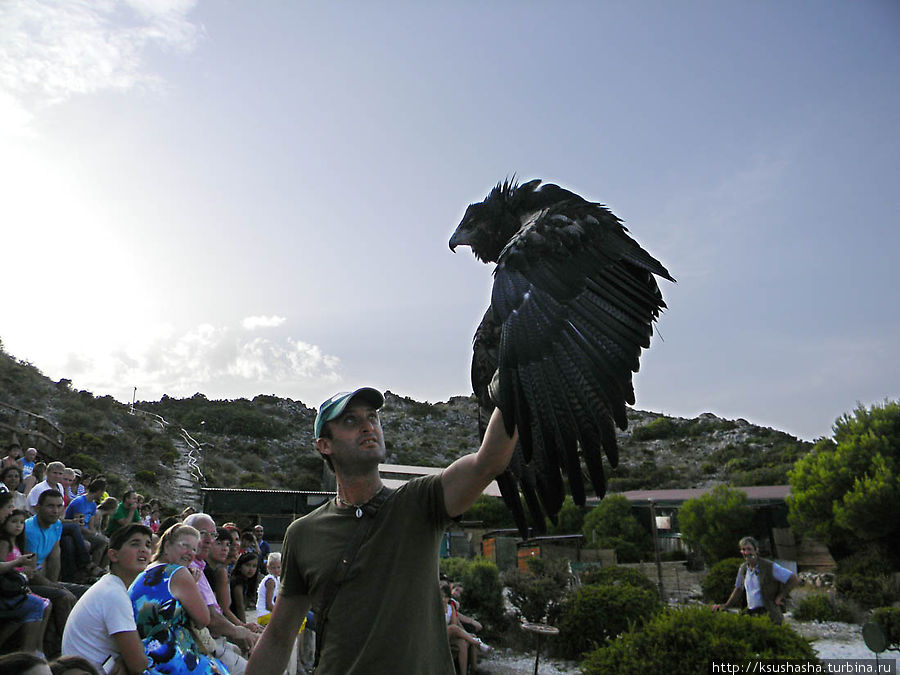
[[185, 486]]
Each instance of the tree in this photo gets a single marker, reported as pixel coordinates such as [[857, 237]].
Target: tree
[[847, 489], [611, 525], [491, 511], [570, 519], [713, 523]]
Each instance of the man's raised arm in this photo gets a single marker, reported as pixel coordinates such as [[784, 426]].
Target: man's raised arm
[[468, 476]]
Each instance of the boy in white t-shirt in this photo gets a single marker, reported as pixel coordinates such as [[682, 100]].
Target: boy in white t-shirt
[[101, 626]]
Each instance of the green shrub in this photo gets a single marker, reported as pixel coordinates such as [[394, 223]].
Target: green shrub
[[145, 476], [713, 523], [864, 577], [116, 485], [866, 590], [661, 427], [86, 463], [718, 584], [454, 568], [821, 607], [491, 511], [537, 593], [870, 561], [685, 641], [483, 592], [614, 575], [889, 620], [252, 481], [570, 519], [592, 615], [611, 524], [626, 551]]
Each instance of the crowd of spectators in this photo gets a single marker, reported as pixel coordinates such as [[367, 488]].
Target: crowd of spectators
[[107, 583], [109, 587]]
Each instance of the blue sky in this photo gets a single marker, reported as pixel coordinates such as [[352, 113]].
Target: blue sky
[[240, 198]]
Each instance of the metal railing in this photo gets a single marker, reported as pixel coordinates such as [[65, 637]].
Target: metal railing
[[195, 448], [31, 426]]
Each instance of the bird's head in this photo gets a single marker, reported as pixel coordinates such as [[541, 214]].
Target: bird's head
[[488, 225]]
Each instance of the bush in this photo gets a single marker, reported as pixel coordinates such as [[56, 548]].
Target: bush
[[685, 641], [864, 577], [889, 620], [86, 463], [661, 427], [592, 615], [870, 561], [570, 519], [614, 575], [626, 551], [537, 593], [483, 592], [491, 511], [821, 607], [612, 525], [454, 568], [713, 523], [145, 476], [718, 584], [865, 590]]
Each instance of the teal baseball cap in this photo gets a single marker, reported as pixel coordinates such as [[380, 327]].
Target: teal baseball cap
[[335, 405]]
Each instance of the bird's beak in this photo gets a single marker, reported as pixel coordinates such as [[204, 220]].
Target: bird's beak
[[458, 239]]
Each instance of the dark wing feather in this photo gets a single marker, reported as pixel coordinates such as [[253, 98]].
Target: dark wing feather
[[574, 299], [519, 474]]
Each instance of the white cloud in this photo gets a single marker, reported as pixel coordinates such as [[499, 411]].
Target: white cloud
[[218, 361], [51, 50], [254, 322]]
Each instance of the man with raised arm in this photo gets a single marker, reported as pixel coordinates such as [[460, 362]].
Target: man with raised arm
[[385, 615]]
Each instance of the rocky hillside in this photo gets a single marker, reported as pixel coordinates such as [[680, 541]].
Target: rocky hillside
[[267, 442]]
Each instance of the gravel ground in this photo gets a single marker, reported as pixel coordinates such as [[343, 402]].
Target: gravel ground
[[831, 640]]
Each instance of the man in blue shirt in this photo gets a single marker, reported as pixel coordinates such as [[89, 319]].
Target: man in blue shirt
[[42, 534], [83, 509], [28, 462], [264, 548]]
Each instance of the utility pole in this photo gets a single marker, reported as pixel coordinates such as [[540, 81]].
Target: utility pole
[[659, 575]]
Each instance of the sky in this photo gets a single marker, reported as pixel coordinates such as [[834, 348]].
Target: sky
[[241, 198]]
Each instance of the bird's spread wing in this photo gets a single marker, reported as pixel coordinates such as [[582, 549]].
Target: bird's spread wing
[[573, 301]]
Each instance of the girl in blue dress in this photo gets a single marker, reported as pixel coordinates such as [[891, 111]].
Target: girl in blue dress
[[166, 598]]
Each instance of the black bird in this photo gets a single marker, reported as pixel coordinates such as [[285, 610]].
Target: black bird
[[573, 303]]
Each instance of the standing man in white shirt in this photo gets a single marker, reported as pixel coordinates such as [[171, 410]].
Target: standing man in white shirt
[[765, 583]]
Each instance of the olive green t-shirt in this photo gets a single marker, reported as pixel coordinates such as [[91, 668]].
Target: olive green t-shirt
[[387, 616]]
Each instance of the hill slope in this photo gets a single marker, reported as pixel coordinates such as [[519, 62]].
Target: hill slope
[[267, 442]]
